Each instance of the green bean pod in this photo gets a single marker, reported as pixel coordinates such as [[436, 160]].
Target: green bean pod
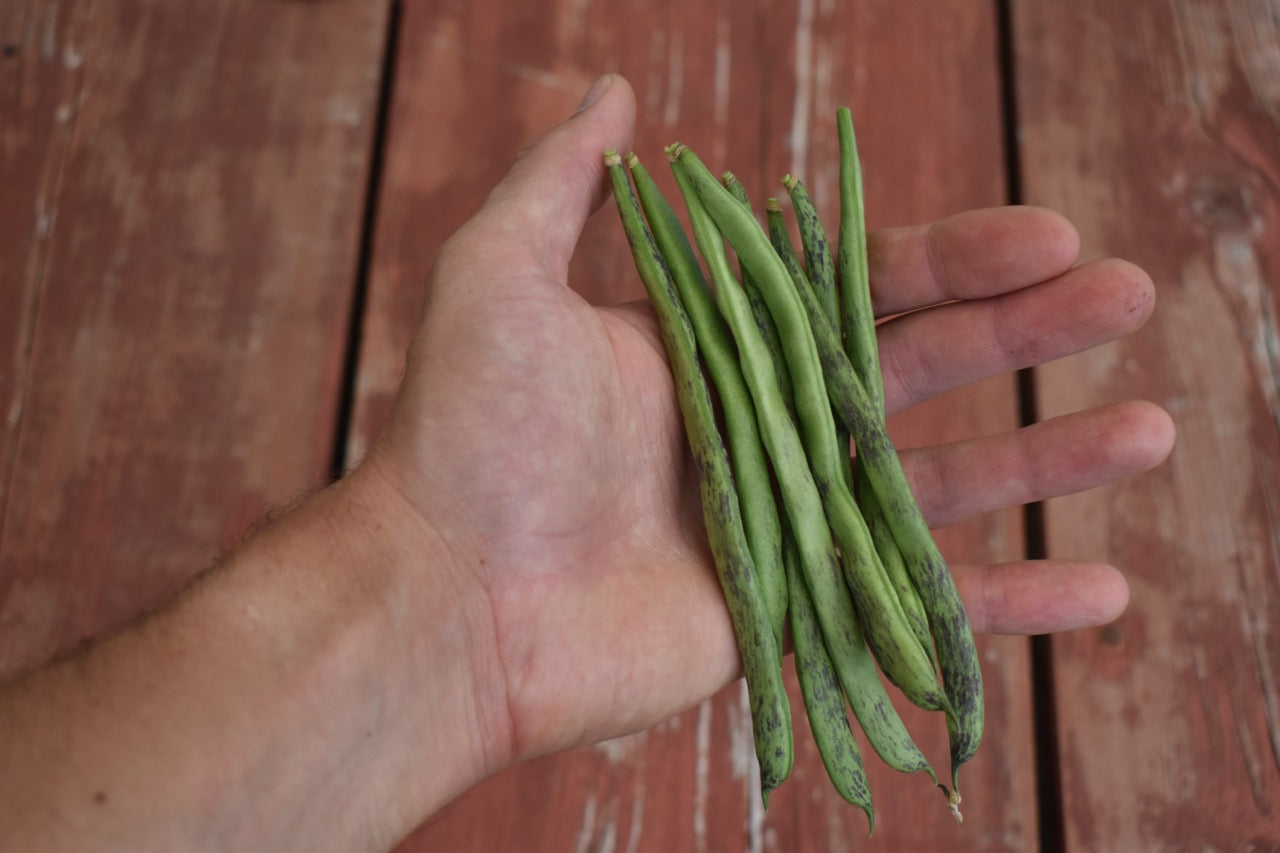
[[895, 566], [948, 622], [823, 697], [817, 250], [760, 310], [957, 656], [803, 506], [776, 225], [770, 707], [881, 536], [887, 630], [854, 278], [949, 626], [746, 451], [781, 241]]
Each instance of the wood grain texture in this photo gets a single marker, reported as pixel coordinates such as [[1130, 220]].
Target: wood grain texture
[[183, 193], [1154, 126], [752, 87]]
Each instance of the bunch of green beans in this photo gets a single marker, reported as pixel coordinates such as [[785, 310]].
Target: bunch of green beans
[[777, 373]]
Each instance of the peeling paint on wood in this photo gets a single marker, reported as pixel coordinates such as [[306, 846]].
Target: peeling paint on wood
[[178, 246], [1163, 146]]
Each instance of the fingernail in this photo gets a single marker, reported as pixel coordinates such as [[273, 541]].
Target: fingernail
[[603, 82]]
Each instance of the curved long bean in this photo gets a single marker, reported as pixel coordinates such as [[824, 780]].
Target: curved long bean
[[948, 621], [770, 709], [803, 506], [851, 259], [886, 547], [949, 624], [817, 250], [887, 630], [823, 697], [746, 450], [760, 310]]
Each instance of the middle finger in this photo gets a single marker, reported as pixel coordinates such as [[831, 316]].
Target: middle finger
[[935, 350]]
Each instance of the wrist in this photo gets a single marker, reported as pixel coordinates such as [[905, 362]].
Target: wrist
[[332, 681], [431, 661]]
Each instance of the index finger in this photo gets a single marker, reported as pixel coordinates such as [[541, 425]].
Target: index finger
[[971, 255]]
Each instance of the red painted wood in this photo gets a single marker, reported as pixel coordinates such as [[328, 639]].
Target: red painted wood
[[737, 82], [1154, 127], [183, 190]]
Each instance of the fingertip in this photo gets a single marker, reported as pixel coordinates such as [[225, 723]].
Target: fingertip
[[1143, 435], [1106, 598], [980, 253], [1056, 237], [1133, 291], [558, 180], [1042, 596]]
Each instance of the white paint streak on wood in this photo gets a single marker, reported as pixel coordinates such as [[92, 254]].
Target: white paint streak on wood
[[823, 179], [1237, 269], [588, 828], [724, 67], [653, 83], [675, 80], [740, 741], [609, 832], [637, 814], [798, 139], [1256, 32], [1202, 43], [574, 27], [602, 838], [745, 749], [623, 749], [701, 775], [49, 37], [1254, 626], [1268, 667], [540, 76]]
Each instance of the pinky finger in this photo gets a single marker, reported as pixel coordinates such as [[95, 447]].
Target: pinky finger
[[1041, 596]]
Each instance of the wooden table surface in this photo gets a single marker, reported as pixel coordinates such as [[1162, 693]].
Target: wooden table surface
[[216, 219]]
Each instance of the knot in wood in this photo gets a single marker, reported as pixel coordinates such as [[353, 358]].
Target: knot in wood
[[1223, 202]]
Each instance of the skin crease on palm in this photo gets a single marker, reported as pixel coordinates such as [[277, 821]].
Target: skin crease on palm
[[539, 437]]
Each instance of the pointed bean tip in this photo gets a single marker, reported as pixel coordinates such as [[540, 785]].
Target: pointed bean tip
[[674, 150], [789, 181]]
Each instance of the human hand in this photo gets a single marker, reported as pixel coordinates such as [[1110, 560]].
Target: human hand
[[537, 437]]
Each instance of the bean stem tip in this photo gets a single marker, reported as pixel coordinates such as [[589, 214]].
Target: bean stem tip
[[953, 802]]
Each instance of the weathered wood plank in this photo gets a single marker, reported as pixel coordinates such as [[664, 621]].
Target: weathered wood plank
[[183, 193], [738, 84], [1153, 125]]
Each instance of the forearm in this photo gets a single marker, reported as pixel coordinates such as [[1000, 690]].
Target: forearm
[[318, 691]]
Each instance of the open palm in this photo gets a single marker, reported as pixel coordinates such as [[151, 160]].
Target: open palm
[[540, 437]]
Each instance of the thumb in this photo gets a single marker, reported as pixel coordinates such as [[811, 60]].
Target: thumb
[[537, 212]]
